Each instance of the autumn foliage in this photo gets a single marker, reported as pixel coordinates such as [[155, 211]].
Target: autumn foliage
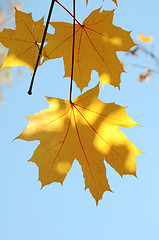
[[6, 19], [86, 129], [101, 38]]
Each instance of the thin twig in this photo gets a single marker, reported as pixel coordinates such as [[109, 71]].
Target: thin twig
[[73, 51], [143, 49], [41, 47]]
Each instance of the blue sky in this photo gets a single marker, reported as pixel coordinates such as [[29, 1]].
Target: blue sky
[[69, 212]]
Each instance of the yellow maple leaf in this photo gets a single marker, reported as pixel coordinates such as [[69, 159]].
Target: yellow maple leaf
[[96, 43], [23, 41], [143, 38], [87, 130]]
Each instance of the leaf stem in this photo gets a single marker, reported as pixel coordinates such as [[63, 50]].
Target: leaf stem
[[41, 47], [73, 51], [68, 12]]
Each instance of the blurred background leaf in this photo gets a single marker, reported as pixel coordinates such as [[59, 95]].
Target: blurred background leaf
[[6, 21]]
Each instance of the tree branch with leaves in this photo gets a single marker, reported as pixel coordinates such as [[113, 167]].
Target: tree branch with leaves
[[85, 129]]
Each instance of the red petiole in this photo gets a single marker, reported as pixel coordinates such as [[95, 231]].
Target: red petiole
[[73, 51], [68, 12]]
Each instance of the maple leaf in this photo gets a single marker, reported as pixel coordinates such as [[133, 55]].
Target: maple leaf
[[96, 43], [87, 130], [143, 38], [23, 41]]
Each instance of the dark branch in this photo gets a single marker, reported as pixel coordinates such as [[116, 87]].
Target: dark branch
[[73, 51], [41, 47]]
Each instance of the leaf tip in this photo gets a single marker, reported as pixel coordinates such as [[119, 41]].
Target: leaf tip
[[47, 98], [42, 184], [97, 202], [16, 138], [135, 175]]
